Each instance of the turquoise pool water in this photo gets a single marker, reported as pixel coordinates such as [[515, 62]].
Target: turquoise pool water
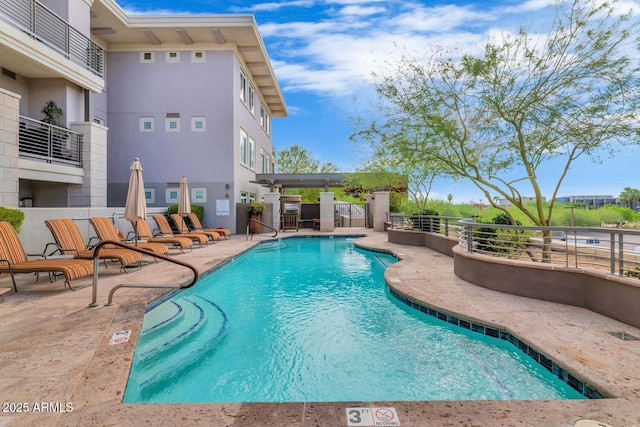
[[311, 319]]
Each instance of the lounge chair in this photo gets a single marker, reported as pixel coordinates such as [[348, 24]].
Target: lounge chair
[[165, 229], [181, 225], [106, 231], [197, 226], [144, 233], [70, 242], [13, 259]]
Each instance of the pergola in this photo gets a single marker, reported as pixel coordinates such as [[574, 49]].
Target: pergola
[[300, 180]]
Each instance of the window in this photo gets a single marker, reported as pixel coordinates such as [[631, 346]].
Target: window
[[146, 57], [172, 195], [146, 124], [265, 162], [198, 124], [247, 93], [199, 195], [252, 197], [172, 57], [252, 153], [243, 87], [250, 101], [243, 147], [198, 56], [99, 121], [243, 197], [265, 119], [150, 195], [172, 123]]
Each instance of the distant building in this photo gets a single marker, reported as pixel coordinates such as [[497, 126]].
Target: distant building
[[505, 202], [591, 201]]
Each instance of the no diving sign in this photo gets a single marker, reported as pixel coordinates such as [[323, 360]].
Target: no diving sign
[[120, 337], [372, 417]]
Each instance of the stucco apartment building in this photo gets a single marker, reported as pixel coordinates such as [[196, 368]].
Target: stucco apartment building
[[190, 95]]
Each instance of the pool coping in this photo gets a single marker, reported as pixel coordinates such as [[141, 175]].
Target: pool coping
[[97, 388]]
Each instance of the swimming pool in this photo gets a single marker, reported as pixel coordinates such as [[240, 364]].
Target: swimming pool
[[311, 319]]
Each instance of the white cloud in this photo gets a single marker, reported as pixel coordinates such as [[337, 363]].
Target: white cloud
[[362, 11], [275, 6]]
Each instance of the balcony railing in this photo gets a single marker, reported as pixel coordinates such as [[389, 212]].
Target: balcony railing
[[43, 25], [52, 144]]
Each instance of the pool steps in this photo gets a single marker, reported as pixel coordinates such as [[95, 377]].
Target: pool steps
[[186, 321]]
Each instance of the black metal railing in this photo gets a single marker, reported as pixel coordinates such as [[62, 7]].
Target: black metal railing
[[254, 221], [96, 260], [45, 26], [52, 144]]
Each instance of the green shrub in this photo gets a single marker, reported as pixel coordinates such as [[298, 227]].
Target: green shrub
[[13, 216], [196, 209]]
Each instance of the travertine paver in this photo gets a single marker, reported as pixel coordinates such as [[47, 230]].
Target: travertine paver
[[55, 350]]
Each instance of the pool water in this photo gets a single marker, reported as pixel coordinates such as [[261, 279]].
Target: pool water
[[311, 319]]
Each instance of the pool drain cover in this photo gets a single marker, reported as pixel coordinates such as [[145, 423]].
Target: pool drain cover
[[623, 336]]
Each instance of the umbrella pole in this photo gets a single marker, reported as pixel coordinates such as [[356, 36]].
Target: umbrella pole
[[135, 233]]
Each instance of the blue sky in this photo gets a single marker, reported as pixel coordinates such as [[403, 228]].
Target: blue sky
[[324, 52]]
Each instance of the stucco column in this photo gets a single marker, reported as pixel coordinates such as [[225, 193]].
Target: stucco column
[[93, 191], [327, 212], [274, 199], [380, 209], [9, 119]]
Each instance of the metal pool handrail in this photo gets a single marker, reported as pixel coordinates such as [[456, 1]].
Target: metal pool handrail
[[261, 223], [124, 285]]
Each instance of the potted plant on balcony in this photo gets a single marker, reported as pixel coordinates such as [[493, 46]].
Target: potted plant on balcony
[[59, 137], [255, 213]]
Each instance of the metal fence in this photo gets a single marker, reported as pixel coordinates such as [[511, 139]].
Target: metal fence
[[613, 250], [45, 26], [348, 214], [52, 144]]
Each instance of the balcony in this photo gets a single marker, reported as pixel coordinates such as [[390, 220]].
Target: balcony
[[51, 144], [45, 26]]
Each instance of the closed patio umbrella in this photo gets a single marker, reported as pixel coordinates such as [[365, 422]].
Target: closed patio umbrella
[[184, 201], [135, 207]]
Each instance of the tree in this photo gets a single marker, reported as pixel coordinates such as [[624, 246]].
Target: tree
[[524, 101], [631, 196], [297, 159], [421, 172]]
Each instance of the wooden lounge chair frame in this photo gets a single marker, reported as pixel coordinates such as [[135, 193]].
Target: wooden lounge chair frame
[[197, 226], [14, 260], [165, 229], [141, 227], [105, 230], [69, 241], [181, 225], [290, 222]]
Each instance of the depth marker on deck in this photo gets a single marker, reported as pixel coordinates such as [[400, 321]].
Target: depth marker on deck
[[372, 417]]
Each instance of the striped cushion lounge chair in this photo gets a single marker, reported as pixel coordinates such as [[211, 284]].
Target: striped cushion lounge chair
[[106, 231], [144, 233], [181, 224], [13, 259], [165, 229], [197, 226], [70, 242]]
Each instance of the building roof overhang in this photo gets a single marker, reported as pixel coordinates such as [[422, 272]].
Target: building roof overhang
[[118, 31]]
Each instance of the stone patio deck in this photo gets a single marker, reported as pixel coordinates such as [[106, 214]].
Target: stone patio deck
[[55, 351]]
